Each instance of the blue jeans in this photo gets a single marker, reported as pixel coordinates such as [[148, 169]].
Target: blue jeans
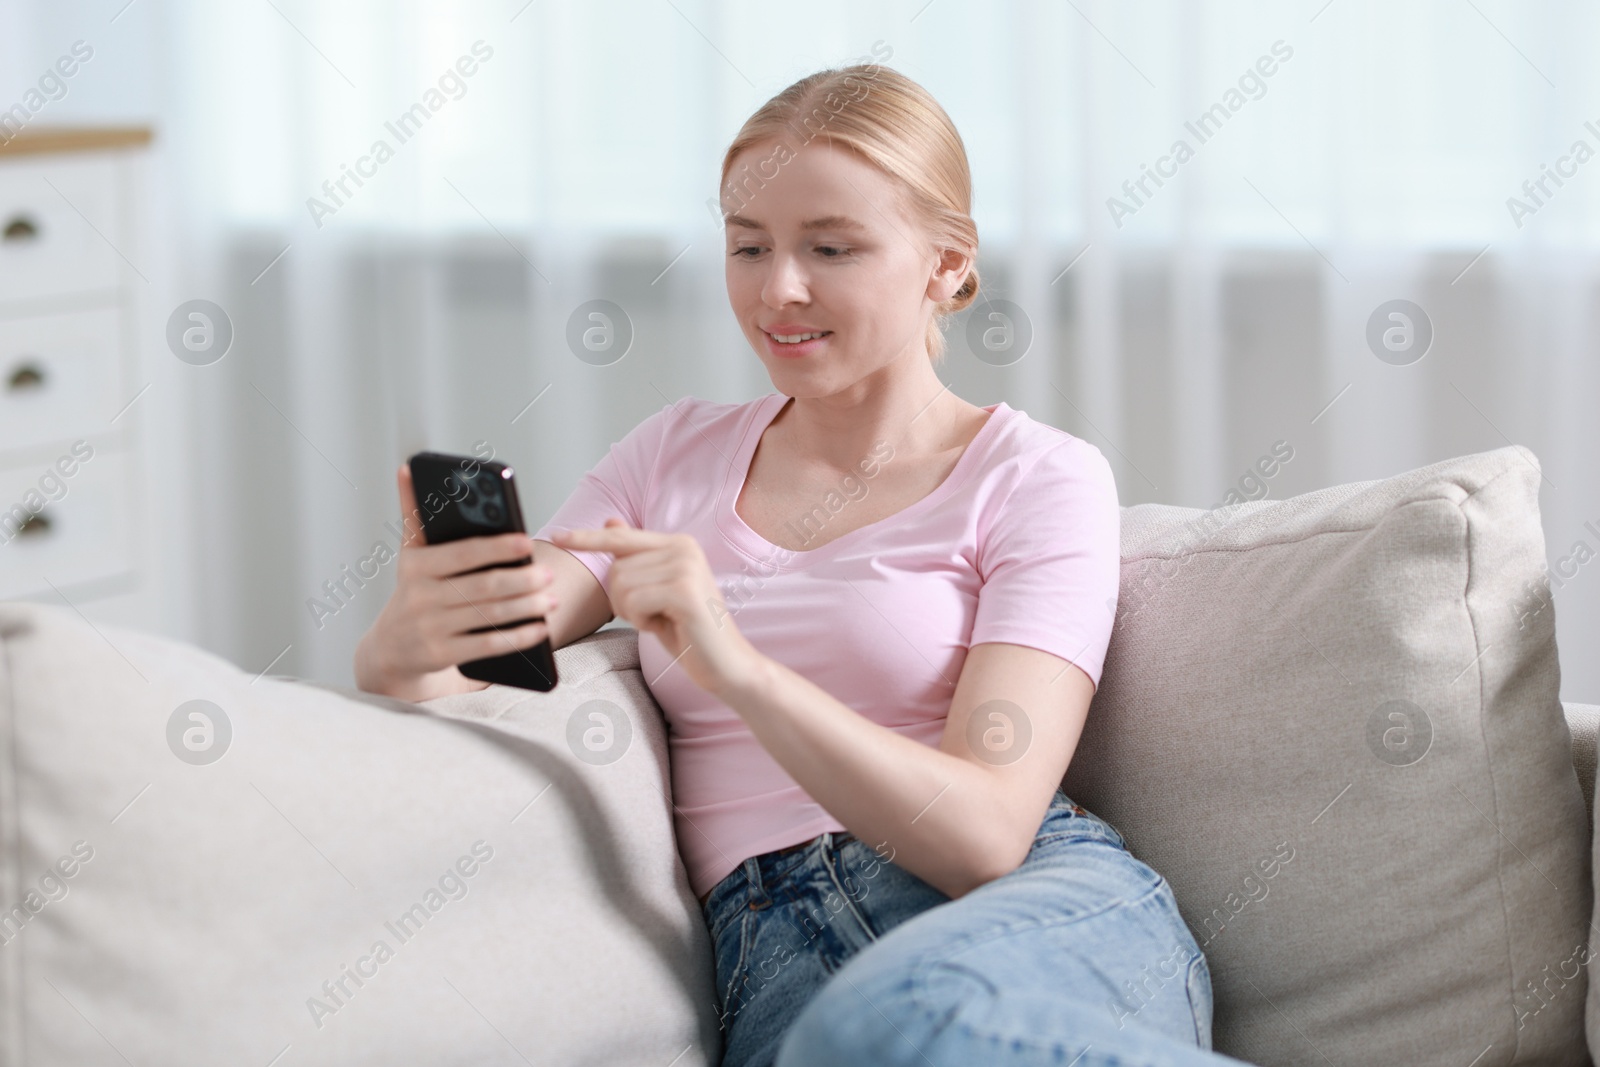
[[1079, 956]]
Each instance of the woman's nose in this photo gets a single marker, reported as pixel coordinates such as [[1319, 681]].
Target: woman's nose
[[785, 283]]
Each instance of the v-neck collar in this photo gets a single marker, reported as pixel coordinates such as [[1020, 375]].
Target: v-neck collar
[[739, 534]]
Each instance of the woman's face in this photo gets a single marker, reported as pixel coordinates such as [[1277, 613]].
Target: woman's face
[[818, 244]]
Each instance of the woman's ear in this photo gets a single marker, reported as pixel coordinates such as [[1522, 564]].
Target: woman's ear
[[949, 273]]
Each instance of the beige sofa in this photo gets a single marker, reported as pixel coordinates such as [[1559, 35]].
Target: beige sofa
[[203, 866]]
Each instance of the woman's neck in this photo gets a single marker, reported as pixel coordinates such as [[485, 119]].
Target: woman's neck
[[921, 417]]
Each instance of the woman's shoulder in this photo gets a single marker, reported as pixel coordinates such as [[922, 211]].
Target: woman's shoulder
[[691, 422], [1039, 451], [694, 415], [1046, 484]]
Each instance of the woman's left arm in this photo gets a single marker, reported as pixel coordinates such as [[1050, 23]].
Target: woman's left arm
[[956, 816]]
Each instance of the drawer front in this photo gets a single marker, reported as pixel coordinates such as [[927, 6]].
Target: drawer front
[[82, 534], [60, 377], [48, 243]]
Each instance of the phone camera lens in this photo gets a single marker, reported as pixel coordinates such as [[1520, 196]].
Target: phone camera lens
[[484, 503]]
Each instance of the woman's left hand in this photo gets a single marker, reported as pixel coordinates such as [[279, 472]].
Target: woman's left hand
[[661, 584]]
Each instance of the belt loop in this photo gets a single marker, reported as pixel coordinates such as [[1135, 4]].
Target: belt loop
[[752, 874]]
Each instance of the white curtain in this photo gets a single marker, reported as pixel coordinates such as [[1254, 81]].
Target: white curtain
[[1184, 331]]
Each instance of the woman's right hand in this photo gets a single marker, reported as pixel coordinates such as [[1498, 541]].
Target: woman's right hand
[[413, 647]]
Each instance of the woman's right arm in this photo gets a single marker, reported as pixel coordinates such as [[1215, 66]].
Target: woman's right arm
[[419, 637]]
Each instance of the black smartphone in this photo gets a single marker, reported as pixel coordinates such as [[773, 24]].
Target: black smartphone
[[463, 496]]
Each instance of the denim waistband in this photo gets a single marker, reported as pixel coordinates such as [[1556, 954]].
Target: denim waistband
[[760, 871]]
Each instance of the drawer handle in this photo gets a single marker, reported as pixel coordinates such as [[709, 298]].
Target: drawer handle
[[21, 228], [36, 525], [27, 376]]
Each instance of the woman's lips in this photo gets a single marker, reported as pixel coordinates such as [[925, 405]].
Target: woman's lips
[[795, 349]]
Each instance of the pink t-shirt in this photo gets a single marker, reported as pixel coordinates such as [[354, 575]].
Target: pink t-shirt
[[1018, 544]]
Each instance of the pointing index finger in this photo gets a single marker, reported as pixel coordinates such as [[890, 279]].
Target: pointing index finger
[[618, 539]]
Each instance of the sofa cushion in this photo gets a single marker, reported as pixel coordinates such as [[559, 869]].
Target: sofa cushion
[[1583, 722], [1333, 723], [355, 880]]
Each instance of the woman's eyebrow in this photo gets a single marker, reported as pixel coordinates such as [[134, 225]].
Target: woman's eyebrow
[[832, 222], [827, 222]]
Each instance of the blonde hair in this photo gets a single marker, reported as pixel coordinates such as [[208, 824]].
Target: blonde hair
[[894, 124]]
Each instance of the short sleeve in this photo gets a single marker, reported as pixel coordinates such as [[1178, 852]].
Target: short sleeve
[[616, 486], [1050, 559]]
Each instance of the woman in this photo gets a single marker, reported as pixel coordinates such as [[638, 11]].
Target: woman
[[874, 615]]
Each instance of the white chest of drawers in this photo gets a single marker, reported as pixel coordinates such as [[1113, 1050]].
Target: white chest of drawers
[[69, 430]]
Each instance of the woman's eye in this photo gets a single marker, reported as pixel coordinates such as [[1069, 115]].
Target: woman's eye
[[752, 249], [830, 251]]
